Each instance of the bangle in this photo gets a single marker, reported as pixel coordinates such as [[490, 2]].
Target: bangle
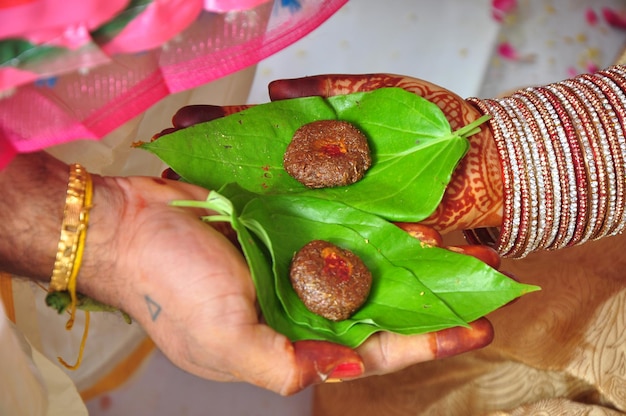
[[73, 230], [71, 246], [563, 157]]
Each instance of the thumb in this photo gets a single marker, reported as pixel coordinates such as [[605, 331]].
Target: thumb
[[288, 367]]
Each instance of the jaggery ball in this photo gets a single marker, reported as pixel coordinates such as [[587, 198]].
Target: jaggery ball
[[331, 281], [327, 153]]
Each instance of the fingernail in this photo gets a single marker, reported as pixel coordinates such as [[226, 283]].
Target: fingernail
[[323, 361], [345, 371], [454, 341], [196, 113]]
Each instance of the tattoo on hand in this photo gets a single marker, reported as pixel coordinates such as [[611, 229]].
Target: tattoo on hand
[[153, 307]]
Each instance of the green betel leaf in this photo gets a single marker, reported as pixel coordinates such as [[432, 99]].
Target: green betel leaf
[[468, 286], [260, 263], [414, 151], [398, 301], [414, 278], [244, 148], [416, 288]]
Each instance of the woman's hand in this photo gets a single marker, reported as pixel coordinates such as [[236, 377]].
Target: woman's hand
[[474, 196], [473, 199]]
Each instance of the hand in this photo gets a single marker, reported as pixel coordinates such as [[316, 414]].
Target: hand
[[178, 277], [473, 199], [474, 195], [384, 352], [190, 289]]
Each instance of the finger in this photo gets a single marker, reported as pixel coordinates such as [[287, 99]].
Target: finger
[[271, 361], [169, 173], [163, 133], [191, 115], [457, 340], [428, 235], [200, 113], [483, 253], [336, 84], [330, 85], [424, 233], [386, 352], [321, 361], [197, 113]]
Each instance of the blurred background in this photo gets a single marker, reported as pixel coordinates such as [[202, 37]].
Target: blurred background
[[460, 45]]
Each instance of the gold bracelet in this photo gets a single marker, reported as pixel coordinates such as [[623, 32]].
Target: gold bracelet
[[71, 246], [73, 229]]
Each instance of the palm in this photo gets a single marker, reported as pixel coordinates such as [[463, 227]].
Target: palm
[[194, 295]]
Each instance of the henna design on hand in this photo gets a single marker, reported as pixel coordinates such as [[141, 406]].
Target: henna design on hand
[[474, 195]]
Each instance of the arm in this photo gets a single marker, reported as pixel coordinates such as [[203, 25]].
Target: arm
[[180, 279], [185, 283], [547, 169], [33, 189]]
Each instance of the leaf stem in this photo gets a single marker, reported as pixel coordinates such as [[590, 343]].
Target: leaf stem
[[217, 218], [214, 202], [472, 128]]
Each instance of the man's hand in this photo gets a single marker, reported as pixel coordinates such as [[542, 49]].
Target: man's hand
[[191, 290]]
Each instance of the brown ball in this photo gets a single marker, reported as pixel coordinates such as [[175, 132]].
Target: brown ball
[[331, 282], [327, 153]]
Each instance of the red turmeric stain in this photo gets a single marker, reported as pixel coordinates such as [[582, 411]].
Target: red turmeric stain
[[333, 150], [336, 264]]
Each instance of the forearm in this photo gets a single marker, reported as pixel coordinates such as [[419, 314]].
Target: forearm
[[33, 188]]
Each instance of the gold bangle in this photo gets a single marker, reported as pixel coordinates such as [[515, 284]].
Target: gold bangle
[[71, 246], [73, 229]]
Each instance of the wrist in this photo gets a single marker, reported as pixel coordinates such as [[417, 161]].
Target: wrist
[[34, 188], [562, 152], [98, 277]]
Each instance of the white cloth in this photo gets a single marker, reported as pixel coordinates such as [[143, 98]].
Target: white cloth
[[31, 384]]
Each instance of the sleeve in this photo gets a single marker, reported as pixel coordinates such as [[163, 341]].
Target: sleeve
[[32, 385]]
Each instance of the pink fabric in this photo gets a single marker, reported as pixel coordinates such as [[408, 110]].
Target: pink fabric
[[6, 153], [12, 76], [221, 6], [56, 21], [88, 104], [161, 20]]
